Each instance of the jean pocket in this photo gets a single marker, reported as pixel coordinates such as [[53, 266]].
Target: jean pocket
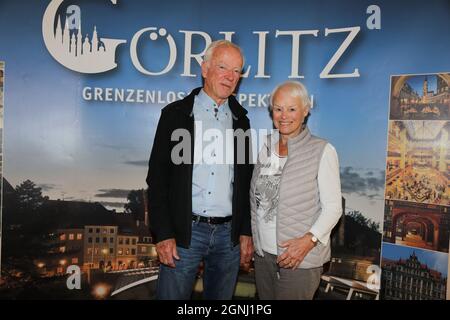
[[227, 225]]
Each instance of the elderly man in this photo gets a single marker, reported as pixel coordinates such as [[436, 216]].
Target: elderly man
[[199, 210]]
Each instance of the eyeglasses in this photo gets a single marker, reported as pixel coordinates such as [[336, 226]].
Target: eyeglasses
[[224, 69]]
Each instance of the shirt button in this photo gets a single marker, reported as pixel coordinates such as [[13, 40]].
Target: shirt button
[[212, 173], [209, 192]]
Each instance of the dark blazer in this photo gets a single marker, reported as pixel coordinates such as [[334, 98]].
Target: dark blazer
[[170, 184]]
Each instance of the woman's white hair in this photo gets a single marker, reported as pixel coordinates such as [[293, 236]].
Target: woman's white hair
[[296, 89], [221, 43]]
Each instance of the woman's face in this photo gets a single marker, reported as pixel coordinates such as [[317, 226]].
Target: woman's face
[[288, 113]]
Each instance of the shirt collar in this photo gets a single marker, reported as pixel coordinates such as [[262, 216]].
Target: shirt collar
[[206, 101]]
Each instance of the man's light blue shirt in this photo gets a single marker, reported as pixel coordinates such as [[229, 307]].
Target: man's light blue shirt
[[212, 177]]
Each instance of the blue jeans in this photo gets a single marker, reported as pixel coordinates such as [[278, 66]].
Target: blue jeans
[[211, 244]]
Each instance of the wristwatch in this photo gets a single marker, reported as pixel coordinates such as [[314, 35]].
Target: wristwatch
[[314, 238]]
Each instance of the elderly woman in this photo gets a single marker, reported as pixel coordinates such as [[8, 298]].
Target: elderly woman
[[295, 201]]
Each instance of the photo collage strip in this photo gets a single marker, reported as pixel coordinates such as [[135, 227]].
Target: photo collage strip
[[2, 81], [415, 263]]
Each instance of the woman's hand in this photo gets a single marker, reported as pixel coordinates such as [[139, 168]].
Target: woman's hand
[[296, 251]]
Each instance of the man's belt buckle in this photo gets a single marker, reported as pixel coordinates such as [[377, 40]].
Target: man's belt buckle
[[211, 220]]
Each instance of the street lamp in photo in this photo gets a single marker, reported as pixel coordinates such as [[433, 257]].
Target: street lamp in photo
[[62, 263], [41, 268], [101, 291], [104, 252]]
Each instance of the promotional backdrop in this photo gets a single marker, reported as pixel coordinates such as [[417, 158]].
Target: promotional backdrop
[[86, 81]]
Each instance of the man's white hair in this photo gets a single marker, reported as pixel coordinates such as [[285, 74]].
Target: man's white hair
[[221, 43]]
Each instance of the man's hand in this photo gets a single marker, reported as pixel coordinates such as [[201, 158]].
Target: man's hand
[[167, 250], [246, 244], [296, 251]]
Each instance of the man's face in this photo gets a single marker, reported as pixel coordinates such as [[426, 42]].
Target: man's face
[[222, 73]]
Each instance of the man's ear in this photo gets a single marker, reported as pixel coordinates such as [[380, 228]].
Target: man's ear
[[205, 67]]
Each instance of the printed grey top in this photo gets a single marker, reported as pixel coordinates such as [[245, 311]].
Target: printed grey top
[[266, 196]]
